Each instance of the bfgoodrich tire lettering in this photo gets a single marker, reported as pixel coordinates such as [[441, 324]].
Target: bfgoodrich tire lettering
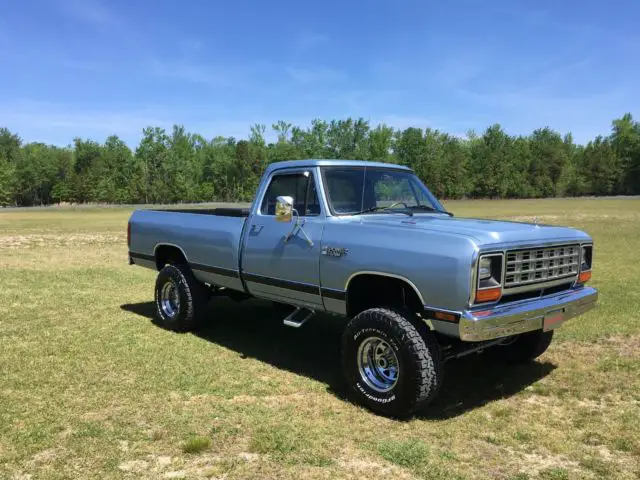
[[180, 299], [419, 372]]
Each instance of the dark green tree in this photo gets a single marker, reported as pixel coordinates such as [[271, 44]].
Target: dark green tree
[[381, 144], [549, 157], [491, 163], [625, 140], [10, 154], [602, 165], [186, 167]]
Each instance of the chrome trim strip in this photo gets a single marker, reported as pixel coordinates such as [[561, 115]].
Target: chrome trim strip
[[383, 274], [282, 283], [333, 294], [225, 272], [475, 259], [322, 192], [497, 254], [503, 247], [539, 286], [582, 245], [535, 285]]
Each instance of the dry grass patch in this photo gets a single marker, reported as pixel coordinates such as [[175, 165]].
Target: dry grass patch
[[59, 240]]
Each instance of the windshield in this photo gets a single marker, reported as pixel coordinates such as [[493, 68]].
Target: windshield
[[352, 190]]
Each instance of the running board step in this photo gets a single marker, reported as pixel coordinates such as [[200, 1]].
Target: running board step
[[298, 317]]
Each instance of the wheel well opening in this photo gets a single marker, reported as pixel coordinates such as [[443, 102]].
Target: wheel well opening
[[168, 254], [370, 290]]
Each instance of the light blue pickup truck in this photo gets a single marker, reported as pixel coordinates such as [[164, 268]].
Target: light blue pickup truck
[[369, 242]]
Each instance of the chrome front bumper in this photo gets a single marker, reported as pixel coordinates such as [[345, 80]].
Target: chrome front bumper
[[505, 320]]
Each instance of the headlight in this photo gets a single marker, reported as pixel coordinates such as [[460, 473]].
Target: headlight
[[484, 270], [489, 286], [586, 256]]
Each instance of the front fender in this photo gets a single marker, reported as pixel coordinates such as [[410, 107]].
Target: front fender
[[437, 264]]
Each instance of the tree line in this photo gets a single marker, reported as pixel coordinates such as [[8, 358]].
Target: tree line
[[179, 166]]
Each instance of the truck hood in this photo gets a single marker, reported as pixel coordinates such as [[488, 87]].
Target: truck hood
[[483, 232]]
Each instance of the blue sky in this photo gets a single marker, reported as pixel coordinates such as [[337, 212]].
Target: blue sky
[[93, 68]]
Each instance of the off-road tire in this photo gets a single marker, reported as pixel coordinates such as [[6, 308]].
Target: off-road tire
[[525, 348], [419, 358], [193, 296]]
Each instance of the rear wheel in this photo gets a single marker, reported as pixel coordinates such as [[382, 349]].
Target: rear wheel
[[524, 348], [389, 366], [180, 299]]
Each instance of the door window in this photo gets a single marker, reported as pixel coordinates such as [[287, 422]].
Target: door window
[[301, 186]]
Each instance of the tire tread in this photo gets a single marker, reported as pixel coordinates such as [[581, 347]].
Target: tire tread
[[196, 298], [424, 352]]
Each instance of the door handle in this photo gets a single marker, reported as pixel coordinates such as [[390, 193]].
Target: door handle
[[256, 228]]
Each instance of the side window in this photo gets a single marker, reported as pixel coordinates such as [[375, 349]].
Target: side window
[[300, 186]]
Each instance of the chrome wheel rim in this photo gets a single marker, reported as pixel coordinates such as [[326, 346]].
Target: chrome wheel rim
[[378, 364], [170, 299]]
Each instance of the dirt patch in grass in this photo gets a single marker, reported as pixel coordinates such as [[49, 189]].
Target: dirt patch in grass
[[577, 217], [271, 400], [134, 466], [534, 218], [534, 463], [58, 240], [628, 346]]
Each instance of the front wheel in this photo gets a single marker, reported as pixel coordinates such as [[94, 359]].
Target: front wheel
[[389, 367], [180, 299], [524, 348]]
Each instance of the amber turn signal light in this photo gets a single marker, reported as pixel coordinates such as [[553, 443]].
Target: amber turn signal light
[[488, 294], [584, 277], [449, 317]]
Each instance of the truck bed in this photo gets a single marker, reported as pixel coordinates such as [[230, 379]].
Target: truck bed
[[208, 238]]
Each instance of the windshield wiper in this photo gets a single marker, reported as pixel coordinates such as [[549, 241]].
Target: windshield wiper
[[430, 209], [424, 207], [376, 209]]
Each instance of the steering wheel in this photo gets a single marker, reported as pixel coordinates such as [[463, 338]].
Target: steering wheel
[[398, 203]]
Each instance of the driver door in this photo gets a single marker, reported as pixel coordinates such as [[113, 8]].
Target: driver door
[[284, 269]]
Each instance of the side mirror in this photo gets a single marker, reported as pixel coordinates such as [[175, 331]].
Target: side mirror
[[284, 209]]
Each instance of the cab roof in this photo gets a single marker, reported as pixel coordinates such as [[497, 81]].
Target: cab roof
[[310, 163]]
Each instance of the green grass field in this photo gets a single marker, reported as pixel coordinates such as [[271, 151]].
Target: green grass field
[[91, 388]]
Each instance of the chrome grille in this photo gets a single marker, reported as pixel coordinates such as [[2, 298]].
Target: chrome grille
[[527, 267]]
